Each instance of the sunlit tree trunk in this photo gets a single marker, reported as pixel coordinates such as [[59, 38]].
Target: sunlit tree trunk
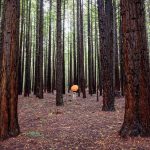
[[115, 48], [20, 73]]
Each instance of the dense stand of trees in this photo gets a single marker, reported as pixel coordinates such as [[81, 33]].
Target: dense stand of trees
[[102, 46]]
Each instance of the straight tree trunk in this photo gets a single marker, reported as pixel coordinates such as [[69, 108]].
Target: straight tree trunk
[[121, 58], [36, 87], [54, 66], [106, 51], [20, 73], [39, 51], [74, 45], [115, 47], [27, 88], [9, 67], [49, 78], [89, 52], [137, 71], [59, 58], [40, 94], [63, 45], [81, 55]]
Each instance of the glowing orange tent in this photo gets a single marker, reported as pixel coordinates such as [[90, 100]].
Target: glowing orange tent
[[74, 88]]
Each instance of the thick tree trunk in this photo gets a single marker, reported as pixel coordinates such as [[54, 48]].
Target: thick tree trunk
[[137, 71], [9, 68], [106, 50]]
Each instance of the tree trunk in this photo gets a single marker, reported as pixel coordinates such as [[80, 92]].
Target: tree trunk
[[81, 56], [9, 67], [20, 73], [59, 59], [49, 78], [74, 45], [89, 52], [36, 87], [121, 59], [63, 46], [116, 58], [137, 71], [39, 51], [27, 88], [40, 95], [54, 66], [106, 50]]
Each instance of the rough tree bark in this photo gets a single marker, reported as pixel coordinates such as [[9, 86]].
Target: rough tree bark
[[9, 67], [39, 51], [106, 51], [137, 71]]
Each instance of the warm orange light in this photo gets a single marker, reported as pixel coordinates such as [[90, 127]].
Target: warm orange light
[[74, 88]]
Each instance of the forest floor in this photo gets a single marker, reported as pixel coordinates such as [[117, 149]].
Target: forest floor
[[78, 125]]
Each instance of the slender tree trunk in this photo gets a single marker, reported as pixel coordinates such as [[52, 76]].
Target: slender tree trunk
[[36, 87], [0, 7], [59, 59], [89, 52], [121, 58], [39, 51], [49, 78], [115, 47], [54, 66], [74, 45], [27, 88], [20, 73], [70, 71], [81, 56], [40, 94], [63, 46]]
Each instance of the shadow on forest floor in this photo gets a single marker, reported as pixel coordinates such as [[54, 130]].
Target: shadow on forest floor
[[79, 125]]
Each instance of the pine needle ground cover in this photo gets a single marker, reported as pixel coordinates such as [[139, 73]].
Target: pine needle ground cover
[[79, 124]]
